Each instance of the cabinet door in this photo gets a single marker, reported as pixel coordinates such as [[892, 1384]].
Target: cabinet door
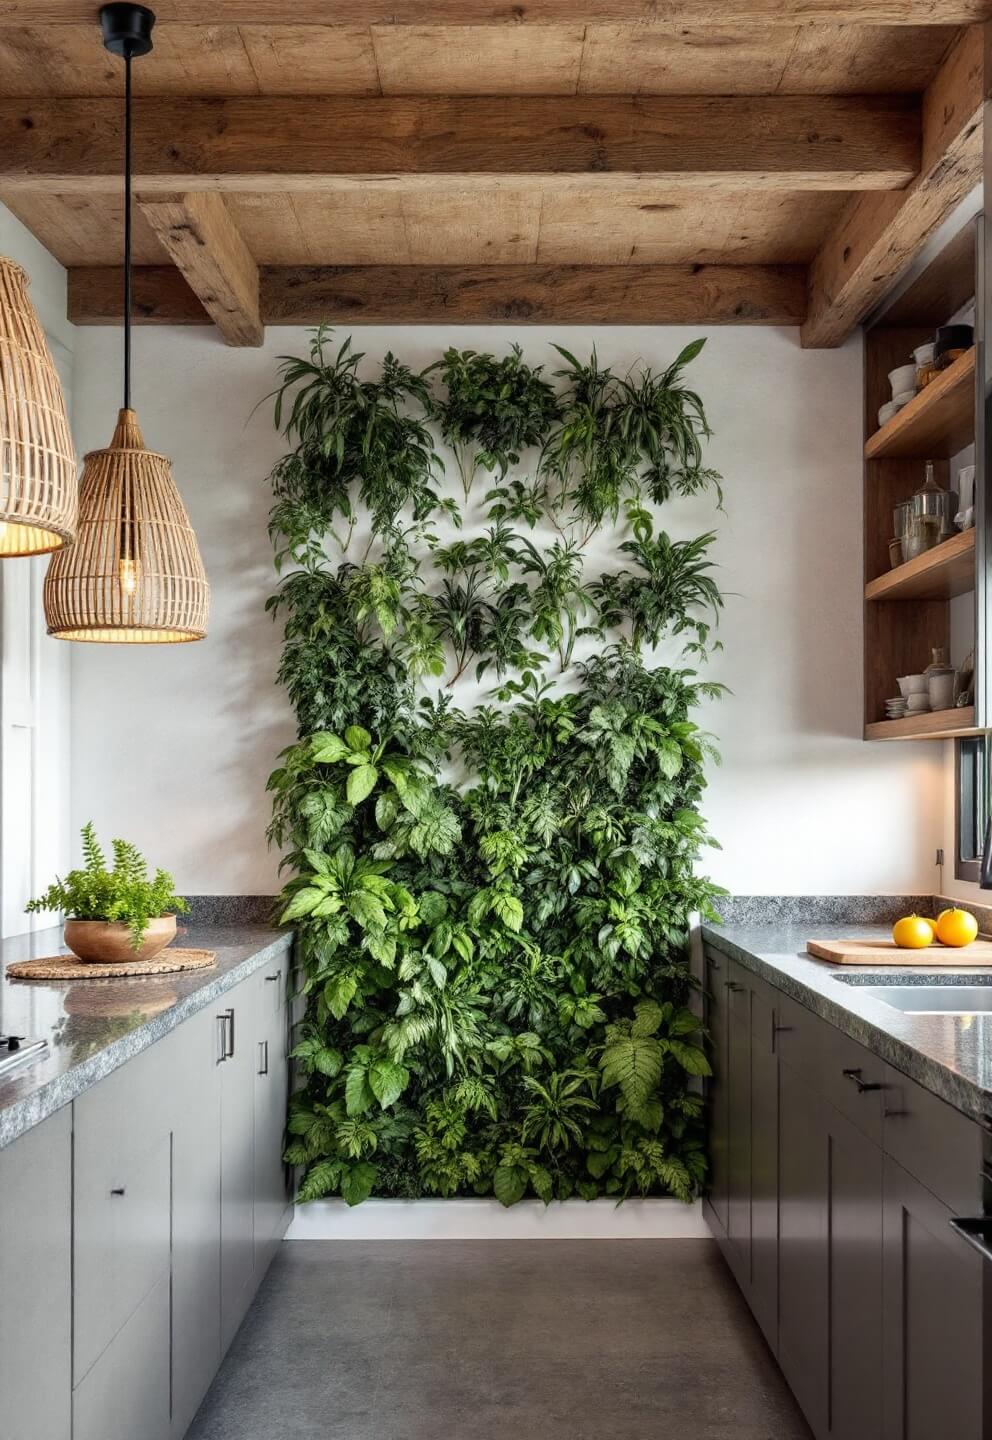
[[236, 1064], [802, 1250], [122, 1181], [125, 1396], [271, 1097], [35, 1281], [195, 1217], [854, 1229], [764, 1163], [933, 1312], [739, 1127], [717, 1089]]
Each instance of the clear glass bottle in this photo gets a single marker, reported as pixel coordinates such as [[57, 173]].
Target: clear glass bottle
[[931, 516]]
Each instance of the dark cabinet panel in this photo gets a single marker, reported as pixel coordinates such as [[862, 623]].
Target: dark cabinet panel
[[933, 1353], [717, 1088], [764, 1164], [854, 1231], [803, 1275], [739, 1130]]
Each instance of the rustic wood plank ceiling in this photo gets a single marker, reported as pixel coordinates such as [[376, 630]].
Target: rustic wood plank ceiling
[[722, 161]]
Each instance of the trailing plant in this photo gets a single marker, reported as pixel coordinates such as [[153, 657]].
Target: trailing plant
[[123, 894], [498, 993], [492, 410]]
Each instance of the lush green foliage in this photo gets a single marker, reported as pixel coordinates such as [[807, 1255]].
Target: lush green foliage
[[492, 905], [124, 894]]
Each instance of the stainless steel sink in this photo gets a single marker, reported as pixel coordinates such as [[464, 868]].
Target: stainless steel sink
[[927, 994]]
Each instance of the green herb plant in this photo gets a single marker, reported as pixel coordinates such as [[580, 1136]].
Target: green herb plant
[[123, 894], [492, 904]]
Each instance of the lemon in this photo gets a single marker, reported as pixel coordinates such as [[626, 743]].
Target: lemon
[[912, 932]]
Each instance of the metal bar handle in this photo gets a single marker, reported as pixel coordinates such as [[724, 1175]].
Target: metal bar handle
[[276, 976], [977, 1232], [263, 1057], [863, 1085], [226, 1021]]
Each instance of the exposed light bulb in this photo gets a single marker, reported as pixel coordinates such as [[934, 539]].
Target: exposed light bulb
[[129, 576]]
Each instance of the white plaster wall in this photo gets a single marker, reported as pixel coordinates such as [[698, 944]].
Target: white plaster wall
[[172, 745]]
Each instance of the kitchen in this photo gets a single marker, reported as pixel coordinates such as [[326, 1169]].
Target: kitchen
[[516, 412]]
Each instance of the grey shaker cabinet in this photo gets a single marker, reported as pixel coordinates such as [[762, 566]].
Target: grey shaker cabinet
[[271, 1188], [872, 1303], [195, 1216], [236, 1069], [934, 1342], [36, 1263]]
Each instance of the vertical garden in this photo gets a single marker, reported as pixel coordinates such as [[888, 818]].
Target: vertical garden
[[491, 818]]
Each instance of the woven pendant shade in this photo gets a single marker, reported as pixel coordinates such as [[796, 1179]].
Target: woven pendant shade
[[134, 574], [37, 461]]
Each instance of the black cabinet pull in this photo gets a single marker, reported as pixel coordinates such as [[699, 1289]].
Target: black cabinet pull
[[732, 985], [263, 1057], [276, 976], [778, 1030], [712, 962], [863, 1085], [119, 1190], [226, 1019], [977, 1232]]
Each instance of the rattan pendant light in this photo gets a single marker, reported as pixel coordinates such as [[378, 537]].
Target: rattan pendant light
[[134, 574], [37, 461]]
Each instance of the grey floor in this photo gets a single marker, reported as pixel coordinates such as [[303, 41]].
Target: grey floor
[[506, 1340]]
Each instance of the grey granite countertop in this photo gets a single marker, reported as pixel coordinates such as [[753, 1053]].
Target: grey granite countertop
[[93, 1026], [951, 1055]]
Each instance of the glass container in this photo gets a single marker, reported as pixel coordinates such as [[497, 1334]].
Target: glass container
[[931, 516]]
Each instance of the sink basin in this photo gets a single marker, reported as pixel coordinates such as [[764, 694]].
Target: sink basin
[[927, 994]]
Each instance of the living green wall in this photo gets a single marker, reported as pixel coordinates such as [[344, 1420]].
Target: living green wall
[[492, 902]]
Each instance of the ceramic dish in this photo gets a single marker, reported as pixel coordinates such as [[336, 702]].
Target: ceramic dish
[[903, 398], [918, 704], [912, 685], [904, 378], [886, 413]]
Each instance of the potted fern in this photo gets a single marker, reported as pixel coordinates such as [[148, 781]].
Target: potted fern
[[113, 915]]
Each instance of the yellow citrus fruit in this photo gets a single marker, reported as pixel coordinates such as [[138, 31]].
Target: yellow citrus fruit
[[912, 932], [956, 927]]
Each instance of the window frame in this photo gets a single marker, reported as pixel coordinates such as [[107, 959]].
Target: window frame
[[971, 805]]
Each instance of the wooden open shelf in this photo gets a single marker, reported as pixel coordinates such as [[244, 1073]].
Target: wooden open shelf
[[937, 423], [948, 569], [934, 725]]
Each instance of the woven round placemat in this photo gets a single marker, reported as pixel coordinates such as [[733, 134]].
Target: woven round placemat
[[68, 967]]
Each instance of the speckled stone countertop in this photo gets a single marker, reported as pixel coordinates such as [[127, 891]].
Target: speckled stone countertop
[[93, 1026], [951, 1055]]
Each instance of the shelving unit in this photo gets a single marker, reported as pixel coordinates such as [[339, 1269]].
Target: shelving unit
[[938, 423], [935, 724], [907, 609], [938, 574]]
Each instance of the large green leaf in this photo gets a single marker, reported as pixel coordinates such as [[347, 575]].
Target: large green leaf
[[633, 1063], [509, 1184], [357, 1182], [361, 783], [388, 1081]]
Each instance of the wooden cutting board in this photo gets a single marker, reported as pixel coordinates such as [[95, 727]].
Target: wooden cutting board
[[887, 952]]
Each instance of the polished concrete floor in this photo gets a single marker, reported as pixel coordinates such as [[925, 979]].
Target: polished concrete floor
[[506, 1340]]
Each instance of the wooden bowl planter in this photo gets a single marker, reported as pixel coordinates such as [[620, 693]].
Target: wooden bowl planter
[[105, 942]]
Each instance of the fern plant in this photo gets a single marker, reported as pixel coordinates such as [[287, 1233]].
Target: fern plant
[[123, 894]]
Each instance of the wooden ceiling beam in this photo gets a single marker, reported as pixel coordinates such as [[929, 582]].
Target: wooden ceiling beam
[[199, 234], [273, 143], [517, 12], [878, 236], [468, 294]]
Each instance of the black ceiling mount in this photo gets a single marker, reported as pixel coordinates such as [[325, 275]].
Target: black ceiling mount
[[127, 29]]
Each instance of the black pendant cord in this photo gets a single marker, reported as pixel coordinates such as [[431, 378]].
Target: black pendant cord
[[127, 231]]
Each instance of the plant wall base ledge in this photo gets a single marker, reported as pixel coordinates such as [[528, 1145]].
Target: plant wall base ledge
[[655, 1219]]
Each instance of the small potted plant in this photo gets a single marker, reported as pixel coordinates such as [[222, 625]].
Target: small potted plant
[[113, 915]]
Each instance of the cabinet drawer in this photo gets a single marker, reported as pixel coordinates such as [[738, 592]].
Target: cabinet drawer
[[126, 1394], [853, 1080], [122, 1158], [936, 1144]]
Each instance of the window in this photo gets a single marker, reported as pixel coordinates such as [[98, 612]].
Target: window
[[971, 774]]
